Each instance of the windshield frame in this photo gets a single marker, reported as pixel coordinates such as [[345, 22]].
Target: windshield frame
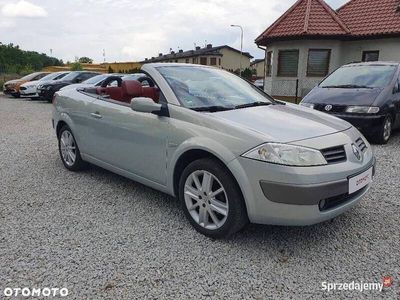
[[268, 98]]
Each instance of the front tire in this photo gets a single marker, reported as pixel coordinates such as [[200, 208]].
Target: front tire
[[211, 199], [385, 131], [69, 150]]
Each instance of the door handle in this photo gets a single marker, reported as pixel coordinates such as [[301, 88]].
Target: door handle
[[96, 115]]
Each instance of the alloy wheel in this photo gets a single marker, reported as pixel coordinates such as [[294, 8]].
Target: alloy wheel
[[206, 199], [68, 148], [387, 129]]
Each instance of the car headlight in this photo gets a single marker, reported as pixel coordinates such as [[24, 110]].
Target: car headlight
[[309, 105], [288, 155], [362, 109]]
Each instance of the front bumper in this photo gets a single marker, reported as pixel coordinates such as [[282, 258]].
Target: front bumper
[[46, 94], [10, 91], [281, 195], [28, 92], [367, 124]]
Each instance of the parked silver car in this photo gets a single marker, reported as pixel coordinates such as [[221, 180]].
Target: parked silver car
[[228, 151]]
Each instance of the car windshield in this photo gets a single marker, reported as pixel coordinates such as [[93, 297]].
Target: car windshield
[[96, 79], [51, 76], [29, 76], [367, 76], [71, 76], [133, 76], [209, 89]]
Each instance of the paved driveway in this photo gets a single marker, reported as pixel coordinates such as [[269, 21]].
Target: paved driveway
[[106, 237]]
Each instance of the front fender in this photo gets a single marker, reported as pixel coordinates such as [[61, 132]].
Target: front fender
[[196, 143]]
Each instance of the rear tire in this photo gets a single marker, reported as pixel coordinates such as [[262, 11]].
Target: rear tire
[[211, 199], [385, 131], [69, 150]]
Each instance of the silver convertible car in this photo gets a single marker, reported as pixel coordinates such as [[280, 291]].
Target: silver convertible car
[[229, 152]]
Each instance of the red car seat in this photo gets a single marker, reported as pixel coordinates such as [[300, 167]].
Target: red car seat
[[131, 89], [151, 92]]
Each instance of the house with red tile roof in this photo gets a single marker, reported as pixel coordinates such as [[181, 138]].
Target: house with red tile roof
[[310, 40]]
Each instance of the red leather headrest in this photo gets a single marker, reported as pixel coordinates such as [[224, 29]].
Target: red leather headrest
[[131, 88]]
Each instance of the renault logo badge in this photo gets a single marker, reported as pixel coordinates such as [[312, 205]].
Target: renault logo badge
[[328, 107], [356, 151]]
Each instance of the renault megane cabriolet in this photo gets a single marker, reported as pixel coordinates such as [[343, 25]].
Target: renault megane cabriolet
[[229, 152]]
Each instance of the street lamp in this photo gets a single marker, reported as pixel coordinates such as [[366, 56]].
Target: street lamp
[[241, 47]]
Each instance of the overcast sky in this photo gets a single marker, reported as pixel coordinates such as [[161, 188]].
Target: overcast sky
[[131, 30]]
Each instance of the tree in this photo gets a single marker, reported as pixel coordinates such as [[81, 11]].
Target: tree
[[247, 74], [76, 66], [110, 70], [85, 60], [14, 60]]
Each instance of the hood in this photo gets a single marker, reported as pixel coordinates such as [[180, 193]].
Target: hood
[[58, 82], [14, 81], [343, 96], [283, 123], [77, 85], [34, 82]]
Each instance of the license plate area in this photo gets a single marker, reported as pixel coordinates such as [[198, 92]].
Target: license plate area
[[359, 181]]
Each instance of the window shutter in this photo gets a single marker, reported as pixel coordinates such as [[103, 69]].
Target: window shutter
[[288, 62], [269, 63], [318, 62]]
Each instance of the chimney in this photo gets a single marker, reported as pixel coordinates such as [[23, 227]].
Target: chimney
[[197, 47], [209, 46], [180, 51], [159, 54]]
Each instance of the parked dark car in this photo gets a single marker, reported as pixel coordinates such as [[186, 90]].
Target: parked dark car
[[365, 94], [46, 91]]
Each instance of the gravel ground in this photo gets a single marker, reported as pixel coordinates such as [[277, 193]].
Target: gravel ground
[[105, 237]]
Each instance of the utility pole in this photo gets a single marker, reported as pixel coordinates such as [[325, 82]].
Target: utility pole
[[241, 47]]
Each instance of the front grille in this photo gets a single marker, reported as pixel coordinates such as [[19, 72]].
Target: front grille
[[361, 144], [339, 200], [334, 155], [335, 108]]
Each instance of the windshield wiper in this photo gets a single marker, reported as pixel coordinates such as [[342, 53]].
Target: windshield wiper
[[253, 104], [214, 108], [348, 86]]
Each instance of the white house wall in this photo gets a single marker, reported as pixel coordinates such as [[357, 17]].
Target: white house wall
[[341, 53]]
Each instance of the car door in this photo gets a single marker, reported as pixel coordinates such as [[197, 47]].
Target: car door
[[128, 140], [396, 101]]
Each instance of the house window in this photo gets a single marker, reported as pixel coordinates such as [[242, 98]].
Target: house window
[[288, 63], [370, 56], [219, 61], [195, 60], [203, 61], [187, 60], [268, 65], [318, 62], [213, 61]]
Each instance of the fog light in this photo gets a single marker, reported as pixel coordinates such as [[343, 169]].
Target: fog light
[[322, 204]]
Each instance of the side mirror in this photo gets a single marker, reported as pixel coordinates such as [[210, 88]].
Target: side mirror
[[145, 105]]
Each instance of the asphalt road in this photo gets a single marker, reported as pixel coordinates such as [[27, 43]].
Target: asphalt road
[[105, 237]]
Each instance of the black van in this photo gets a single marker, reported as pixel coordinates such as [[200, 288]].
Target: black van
[[365, 94]]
